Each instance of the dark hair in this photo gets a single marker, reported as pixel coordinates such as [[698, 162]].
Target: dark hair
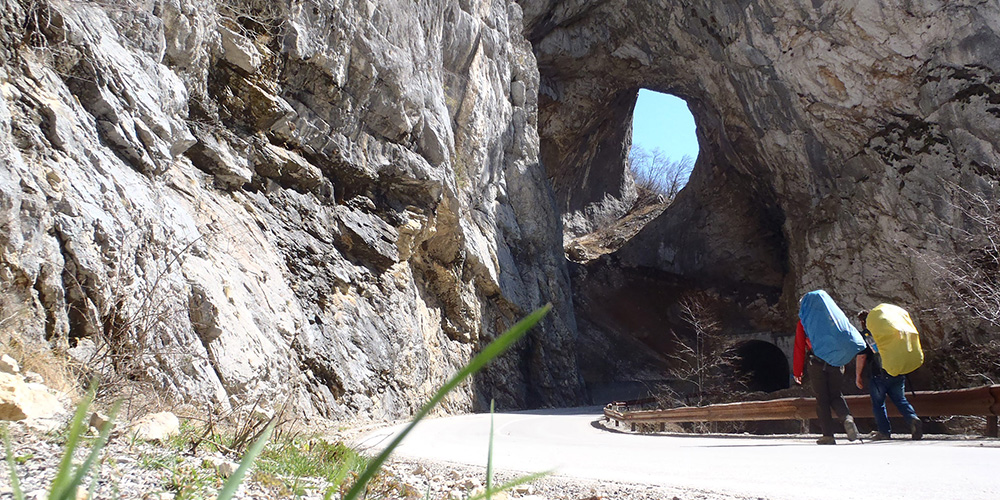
[[863, 315]]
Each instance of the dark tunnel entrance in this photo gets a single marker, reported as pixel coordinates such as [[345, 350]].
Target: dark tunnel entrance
[[762, 365]]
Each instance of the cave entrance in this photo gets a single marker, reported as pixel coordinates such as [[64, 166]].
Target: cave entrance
[[717, 238], [762, 366]]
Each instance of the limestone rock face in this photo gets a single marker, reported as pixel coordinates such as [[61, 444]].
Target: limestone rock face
[[333, 204], [834, 136]]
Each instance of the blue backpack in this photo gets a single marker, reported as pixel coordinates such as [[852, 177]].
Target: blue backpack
[[834, 339]]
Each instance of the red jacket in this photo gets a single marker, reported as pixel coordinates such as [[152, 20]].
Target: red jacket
[[802, 345]]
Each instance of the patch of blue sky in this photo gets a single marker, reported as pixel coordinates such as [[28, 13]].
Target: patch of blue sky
[[664, 122]]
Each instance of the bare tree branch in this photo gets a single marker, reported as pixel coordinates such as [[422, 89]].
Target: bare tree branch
[[972, 275], [658, 178], [701, 357]]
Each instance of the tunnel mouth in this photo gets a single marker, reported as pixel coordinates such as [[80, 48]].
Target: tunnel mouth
[[761, 366]]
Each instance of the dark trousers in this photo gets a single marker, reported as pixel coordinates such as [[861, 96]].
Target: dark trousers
[[826, 383]]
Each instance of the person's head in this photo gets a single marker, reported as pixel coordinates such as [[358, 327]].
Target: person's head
[[863, 317]]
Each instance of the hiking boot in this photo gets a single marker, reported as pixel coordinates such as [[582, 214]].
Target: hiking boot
[[826, 440], [851, 429], [878, 436], [916, 428]]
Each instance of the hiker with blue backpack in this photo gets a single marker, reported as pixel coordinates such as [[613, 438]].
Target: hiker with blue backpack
[[900, 353], [830, 341]]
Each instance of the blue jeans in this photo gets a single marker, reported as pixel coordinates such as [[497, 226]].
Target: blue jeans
[[883, 385]]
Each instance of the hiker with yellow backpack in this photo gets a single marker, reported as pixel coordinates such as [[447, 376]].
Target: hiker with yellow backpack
[[893, 351]]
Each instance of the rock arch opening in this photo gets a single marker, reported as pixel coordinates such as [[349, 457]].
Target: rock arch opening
[[664, 147], [722, 239], [650, 160], [661, 120]]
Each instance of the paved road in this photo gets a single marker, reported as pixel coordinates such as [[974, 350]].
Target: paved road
[[570, 442]]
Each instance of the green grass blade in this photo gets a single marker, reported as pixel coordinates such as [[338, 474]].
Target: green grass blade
[[510, 485], [491, 351], [81, 471], [61, 486], [91, 492], [15, 483], [229, 489], [489, 454]]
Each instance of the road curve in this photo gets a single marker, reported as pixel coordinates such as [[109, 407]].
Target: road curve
[[572, 444]]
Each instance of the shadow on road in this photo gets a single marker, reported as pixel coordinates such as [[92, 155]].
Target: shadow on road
[[792, 439], [807, 439], [580, 410]]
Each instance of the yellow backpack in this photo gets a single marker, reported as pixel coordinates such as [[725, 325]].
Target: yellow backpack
[[896, 339]]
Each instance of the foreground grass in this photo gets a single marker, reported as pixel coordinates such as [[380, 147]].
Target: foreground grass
[[489, 353], [312, 458], [288, 467]]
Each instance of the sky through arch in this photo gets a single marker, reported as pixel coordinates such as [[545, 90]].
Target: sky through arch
[[664, 122]]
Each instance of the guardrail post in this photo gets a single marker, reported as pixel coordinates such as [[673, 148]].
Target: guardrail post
[[991, 426]]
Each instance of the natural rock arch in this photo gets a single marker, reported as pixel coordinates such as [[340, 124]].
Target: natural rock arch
[[815, 135], [833, 136]]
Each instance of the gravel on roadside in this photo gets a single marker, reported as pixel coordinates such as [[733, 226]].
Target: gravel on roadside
[[147, 471]]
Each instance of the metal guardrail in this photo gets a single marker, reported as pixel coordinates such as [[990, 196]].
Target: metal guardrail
[[977, 401]]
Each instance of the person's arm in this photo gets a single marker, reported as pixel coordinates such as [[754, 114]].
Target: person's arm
[[799, 354], [859, 366]]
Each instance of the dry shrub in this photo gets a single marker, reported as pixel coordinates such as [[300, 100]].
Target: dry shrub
[[703, 355], [964, 363], [658, 178], [253, 18], [972, 275], [970, 279], [31, 354]]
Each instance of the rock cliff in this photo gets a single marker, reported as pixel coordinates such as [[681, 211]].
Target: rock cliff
[[338, 201], [330, 202]]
